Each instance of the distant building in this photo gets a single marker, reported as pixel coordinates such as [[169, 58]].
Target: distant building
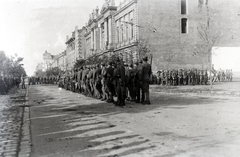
[[62, 61], [75, 47], [47, 60]]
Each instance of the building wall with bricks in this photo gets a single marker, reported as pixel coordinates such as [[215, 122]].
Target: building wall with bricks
[[161, 22]]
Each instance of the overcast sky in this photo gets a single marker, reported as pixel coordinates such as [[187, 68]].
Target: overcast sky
[[29, 27]]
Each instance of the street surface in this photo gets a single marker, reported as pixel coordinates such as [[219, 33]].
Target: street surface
[[189, 124]]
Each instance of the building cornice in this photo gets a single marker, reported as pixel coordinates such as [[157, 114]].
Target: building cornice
[[70, 40], [127, 46], [114, 8]]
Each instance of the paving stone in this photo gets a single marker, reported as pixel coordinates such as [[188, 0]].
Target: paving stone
[[10, 122]]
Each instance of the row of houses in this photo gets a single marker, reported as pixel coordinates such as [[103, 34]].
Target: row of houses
[[168, 29]]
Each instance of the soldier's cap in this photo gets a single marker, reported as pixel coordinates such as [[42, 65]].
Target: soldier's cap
[[103, 64], [136, 63], [125, 64], [145, 58], [140, 61]]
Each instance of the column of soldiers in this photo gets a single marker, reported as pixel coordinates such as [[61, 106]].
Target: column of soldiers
[[43, 80], [221, 75], [191, 77], [182, 77], [114, 79], [8, 82]]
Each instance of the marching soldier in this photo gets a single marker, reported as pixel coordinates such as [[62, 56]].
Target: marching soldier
[[126, 80], [146, 79], [84, 80], [174, 77], [159, 74], [140, 90], [164, 78], [98, 85], [109, 84], [180, 77], [130, 83], [169, 77], [115, 78], [121, 93], [136, 83], [103, 82], [205, 77]]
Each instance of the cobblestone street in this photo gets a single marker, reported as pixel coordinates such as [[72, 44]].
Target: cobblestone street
[[11, 114]]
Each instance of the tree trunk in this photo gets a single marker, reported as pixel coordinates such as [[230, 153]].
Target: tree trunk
[[211, 83]]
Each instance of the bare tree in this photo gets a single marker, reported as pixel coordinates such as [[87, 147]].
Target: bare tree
[[209, 35], [143, 48]]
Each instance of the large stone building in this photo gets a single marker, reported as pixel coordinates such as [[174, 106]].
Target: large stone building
[[181, 32], [59, 61], [171, 30], [174, 33], [52, 61]]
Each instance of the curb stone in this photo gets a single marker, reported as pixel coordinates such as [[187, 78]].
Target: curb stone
[[25, 141]]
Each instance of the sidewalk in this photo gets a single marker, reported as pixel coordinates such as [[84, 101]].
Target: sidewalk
[[11, 120]]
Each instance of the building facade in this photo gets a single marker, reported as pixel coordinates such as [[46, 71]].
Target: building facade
[[75, 47], [47, 60], [62, 61], [169, 30], [126, 32]]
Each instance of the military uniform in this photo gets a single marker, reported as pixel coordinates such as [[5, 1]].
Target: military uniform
[[98, 84], [130, 82], [103, 82], [146, 79], [121, 93], [109, 79]]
